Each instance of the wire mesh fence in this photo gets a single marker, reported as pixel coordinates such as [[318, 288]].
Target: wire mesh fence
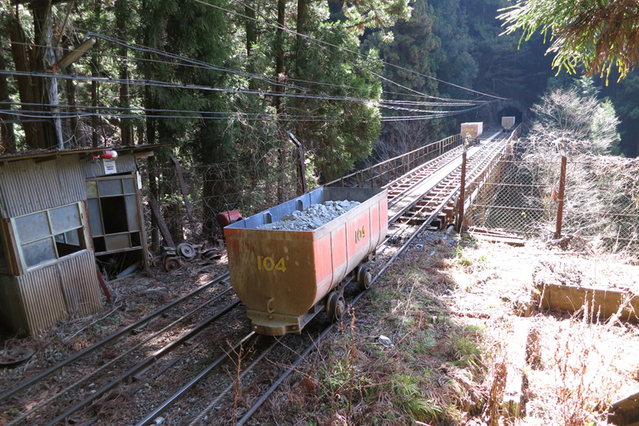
[[190, 197], [519, 194], [600, 209]]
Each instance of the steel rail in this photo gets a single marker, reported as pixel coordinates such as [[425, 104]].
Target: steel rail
[[416, 214], [417, 155], [314, 344], [211, 404], [192, 383], [145, 364], [432, 168], [11, 392], [279, 381], [113, 361]]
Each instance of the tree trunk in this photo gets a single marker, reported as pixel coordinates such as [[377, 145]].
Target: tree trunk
[[251, 36], [279, 89], [26, 85], [153, 187], [44, 60], [76, 138], [95, 72], [302, 18], [126, 128], [6, 120], [95, 137]]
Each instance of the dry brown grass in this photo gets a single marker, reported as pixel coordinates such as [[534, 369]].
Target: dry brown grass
[[449, 315]]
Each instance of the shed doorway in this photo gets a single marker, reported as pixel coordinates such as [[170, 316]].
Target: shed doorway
[[116, 222]]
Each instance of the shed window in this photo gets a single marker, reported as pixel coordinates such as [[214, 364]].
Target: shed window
[[113, 214], [49, 234]]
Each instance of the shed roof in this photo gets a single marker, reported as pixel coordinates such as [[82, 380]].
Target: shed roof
[[43, 154]]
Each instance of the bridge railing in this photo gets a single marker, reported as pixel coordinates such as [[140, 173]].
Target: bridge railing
[[383, 173]]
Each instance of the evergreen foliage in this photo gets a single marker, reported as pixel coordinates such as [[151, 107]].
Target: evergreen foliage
[[599, 35], [222, 86]]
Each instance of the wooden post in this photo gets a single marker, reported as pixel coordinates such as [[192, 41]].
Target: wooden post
[[301, 166], [155, 209], [562, 188], [184, 190], [462, 191]]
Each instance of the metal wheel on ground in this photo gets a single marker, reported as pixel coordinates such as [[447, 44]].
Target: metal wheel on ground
[[172, 263], [186, 250]]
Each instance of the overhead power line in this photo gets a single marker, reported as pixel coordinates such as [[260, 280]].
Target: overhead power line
[[163, 84], [315, 40]]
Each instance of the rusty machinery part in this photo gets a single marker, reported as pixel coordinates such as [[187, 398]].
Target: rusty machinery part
[[227, 218], [335, 307], [13, 358], [186, 250], [364, 277], [172, 263]]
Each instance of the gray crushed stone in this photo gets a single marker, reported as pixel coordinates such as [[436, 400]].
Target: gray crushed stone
[[312, 218]]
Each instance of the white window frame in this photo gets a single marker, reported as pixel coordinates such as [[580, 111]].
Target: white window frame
[[84, 241]]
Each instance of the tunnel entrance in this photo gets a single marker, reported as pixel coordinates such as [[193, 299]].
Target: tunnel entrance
[[510, 112]]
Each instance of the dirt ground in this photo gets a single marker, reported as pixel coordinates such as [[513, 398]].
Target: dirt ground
[[440, 337], [431, 343]]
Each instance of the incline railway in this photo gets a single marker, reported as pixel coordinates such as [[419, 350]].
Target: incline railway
[[202, 344]]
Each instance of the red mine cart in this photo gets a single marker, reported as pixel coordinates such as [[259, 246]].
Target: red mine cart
[[285, 277]]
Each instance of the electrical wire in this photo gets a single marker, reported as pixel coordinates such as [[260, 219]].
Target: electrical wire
[[204, 65], [46, 116], [157, 83], [315, 40], [200, 66], [153, 110], [149, 111], [201, 87]]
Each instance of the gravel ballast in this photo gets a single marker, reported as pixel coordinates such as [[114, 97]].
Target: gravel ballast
[[312, 218]]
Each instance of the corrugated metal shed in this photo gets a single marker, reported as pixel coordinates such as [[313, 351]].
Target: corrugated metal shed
[[96, 167], [34, 302], [50, 274], [28, 186]]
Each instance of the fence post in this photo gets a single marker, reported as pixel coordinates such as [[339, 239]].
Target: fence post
[[562, 188], [462, 190]]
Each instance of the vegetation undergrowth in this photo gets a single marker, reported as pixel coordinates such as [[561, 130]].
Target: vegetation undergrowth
[[427, 347]]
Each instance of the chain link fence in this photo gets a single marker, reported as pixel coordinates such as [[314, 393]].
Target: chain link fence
[[519, 194], [190, 197], [601, 202]]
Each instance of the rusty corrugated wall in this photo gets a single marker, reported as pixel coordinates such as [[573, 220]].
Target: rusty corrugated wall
[[28, 187], [46, 295], [95, 168]]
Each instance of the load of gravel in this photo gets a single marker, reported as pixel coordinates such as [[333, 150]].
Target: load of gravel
[[312, 218]]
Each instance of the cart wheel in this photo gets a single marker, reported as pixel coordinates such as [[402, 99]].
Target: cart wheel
[[335, 307], [186, 250], [171, 263], [364, 277]]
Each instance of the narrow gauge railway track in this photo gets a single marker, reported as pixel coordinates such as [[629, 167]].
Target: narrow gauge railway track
[[251, 367], [90, 374], [252, 362]]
